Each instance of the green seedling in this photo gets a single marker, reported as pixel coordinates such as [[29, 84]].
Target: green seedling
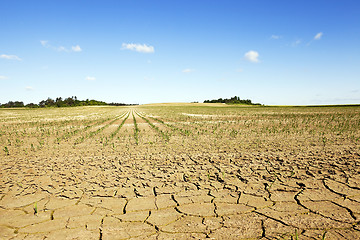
[[233, 133], [136, 130], [6, 150], [163, 134], [35, 208], [296, 235], [119, 127]]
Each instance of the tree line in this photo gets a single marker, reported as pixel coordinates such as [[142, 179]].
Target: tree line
[[59, 102], [233, 100]]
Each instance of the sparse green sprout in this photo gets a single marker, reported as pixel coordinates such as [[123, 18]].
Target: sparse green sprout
[[6, 150], [35, 208], [324, 140], [233, 133], [136, 130], [296, 235]]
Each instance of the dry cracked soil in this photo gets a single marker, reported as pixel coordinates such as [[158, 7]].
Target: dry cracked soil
[[180, 172]]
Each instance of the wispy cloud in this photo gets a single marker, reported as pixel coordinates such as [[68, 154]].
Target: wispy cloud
[[90, 78], [46, 44], [10, 57], [62, 49], [296, 42], [188, 70], [76, 48], [3, 77], [143, 48], [28, 88], [318, 36], [275, 37], [239, 70], [252, 56]]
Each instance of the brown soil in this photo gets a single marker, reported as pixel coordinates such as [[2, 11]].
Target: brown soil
[[238, 173]]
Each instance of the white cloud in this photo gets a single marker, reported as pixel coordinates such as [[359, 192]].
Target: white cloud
[[296, 42], [62, 49], [143, 48], [90, 78], [46, 44], [252, 56], [318, 36], [3, 77], [275, 37], [188, 70], [28, 88], [76, 48], [10, 57]]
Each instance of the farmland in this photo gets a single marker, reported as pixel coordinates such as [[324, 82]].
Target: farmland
[[180, 171]]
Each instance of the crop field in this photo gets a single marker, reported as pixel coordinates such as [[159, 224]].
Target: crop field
[[180, 171]]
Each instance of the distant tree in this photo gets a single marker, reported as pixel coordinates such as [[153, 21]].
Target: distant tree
[[42, 103], [12, 104], [49, 102], [32, 105], [69, 101], [59, 102], [233, 100]]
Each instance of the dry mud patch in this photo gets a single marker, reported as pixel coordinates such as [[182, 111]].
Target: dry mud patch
[[186, 196], [231, 179]]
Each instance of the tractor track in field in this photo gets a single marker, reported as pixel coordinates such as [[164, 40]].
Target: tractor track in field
[[100, 127], [163, 134]]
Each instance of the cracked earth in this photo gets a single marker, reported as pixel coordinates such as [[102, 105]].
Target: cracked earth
[[167, 172]]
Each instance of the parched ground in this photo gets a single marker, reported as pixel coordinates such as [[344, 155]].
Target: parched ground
[[180, 172]]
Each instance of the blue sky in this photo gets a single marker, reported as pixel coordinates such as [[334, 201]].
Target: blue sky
[[273, 52]]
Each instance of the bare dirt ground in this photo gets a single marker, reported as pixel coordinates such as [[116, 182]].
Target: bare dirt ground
[[167, 172]]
